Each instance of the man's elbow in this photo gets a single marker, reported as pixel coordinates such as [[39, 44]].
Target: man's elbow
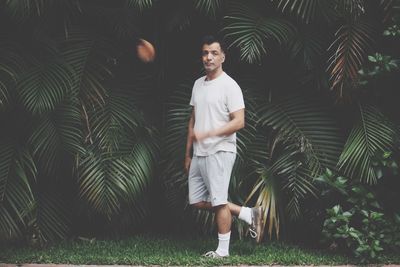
[[241, 124]]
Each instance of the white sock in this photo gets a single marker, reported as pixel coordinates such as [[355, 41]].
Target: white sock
[[223, 244], [245, 214]]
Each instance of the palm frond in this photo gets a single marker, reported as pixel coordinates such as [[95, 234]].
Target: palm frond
[[22, 10], [350, 48], [96, 187], [116, 169], [353, 8], [208, 7], [267, 198], [6, 156], [112, 122], [140, 4], [141, 153], [107, 182], [87, 56], [306, 141], [57, 135], [178, 112], [373, 134], [176, 121], [16, 171], [389, 8], [307, 47], [43, 87], [50, 220], [3, 95], [252, 33], [298, 186], [12, 63], [178, 18], [306, 122], [306, 10]]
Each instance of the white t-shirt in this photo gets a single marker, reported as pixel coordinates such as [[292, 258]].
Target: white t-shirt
[[213, 101]]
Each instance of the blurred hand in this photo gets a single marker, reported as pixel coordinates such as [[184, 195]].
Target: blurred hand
[[188, 161], [199, 136]]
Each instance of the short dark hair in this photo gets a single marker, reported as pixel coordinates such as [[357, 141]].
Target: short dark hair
[[209, 39]]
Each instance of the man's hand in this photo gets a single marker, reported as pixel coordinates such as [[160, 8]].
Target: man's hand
[[199, 136], [188, 161]]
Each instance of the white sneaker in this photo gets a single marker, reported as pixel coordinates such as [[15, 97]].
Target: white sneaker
[[257, 223], [214, 255]]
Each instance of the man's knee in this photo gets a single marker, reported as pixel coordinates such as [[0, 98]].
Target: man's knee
[[220, 207]]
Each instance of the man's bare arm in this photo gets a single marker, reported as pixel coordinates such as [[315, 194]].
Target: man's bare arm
[[189, 142], [236, 123]]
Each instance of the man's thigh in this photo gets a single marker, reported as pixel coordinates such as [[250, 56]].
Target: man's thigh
[[218, 170], [198, 190]]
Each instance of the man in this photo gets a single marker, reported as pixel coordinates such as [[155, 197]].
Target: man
[[217, 114]]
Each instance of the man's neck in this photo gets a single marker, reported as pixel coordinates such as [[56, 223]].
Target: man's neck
[[214, 74]]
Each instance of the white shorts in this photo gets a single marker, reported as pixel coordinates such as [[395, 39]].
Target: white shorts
[[209, 178]]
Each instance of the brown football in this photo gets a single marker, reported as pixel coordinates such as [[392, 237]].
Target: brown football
[[145, 51]]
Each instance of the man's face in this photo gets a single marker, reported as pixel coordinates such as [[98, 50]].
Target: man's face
[[212, 56]]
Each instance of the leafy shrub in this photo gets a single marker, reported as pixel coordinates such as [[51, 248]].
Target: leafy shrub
[[362, 228]]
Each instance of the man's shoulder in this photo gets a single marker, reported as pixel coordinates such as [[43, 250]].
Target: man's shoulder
[[202, 78], [230, 81]]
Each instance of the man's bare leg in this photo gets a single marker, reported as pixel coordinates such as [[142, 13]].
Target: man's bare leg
[[223, 218], [233, 208]]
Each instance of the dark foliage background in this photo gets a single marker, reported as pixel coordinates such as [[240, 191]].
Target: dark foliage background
[[92, 139]]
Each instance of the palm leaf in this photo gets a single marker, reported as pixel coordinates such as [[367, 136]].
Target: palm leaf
[[6, 156], [57, 135], [390, 8], [178, 19], [43, 87], [50, 220], [87, 56], [176, 123], [306, 10], [140, 4], [208, 7], [350, 48], [22, 10], [114, 121], [307, 141], [306, 122], [3, 94], [309, 10], [308, 50], [97, 188], [16, 171], [373, 134], [107, 182], [252, 33], [12, 63], [353, 8], [267, 198], [117, 167], [308, 47]]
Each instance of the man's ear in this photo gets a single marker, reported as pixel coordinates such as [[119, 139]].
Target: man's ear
[[223, 57]]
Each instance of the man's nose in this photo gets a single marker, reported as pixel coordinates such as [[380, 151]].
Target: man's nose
[[209, 56]]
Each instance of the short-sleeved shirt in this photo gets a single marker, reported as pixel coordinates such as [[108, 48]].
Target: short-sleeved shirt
[[213, 101]]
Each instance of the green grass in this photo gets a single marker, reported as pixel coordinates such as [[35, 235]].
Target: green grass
[[145, 250]]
